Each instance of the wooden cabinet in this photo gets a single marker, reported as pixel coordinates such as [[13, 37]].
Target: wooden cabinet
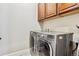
[[46, 10], [41, 11], [50, 9], [66, 7]]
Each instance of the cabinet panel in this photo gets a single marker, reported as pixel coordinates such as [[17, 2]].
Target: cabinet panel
[[50, 9], [41, 11], [65, 7]]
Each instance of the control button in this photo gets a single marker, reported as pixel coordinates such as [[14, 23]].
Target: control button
[[42, 35], [60, 37]]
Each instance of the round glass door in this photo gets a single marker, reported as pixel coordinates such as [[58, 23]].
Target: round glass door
[[43, 48]]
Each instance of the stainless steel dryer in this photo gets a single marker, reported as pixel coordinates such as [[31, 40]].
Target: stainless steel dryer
[[51, 44]]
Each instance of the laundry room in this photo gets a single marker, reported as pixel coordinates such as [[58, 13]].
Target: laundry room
[[57, 18], [39, 29]]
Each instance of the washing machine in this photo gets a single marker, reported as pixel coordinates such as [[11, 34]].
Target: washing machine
[[50, 43]]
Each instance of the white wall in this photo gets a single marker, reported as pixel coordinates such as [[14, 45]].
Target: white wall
[[21, 19], [65, 24], [3, 29]]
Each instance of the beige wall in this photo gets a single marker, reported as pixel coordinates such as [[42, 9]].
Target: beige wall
[[65, 24]]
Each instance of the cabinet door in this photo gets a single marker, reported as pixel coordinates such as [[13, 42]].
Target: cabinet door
[[50, 9], [41, 11], [65, 7]]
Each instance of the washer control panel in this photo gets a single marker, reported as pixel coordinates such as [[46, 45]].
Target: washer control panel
[[50, 37]]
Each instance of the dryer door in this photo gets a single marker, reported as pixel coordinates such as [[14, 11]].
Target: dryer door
[[44, 48]]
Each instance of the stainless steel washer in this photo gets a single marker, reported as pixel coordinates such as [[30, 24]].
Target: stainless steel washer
[[50, 44]]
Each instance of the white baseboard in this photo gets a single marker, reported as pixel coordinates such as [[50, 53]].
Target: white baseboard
[[25, 52]]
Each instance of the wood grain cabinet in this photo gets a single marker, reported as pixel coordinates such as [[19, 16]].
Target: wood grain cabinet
[[41, 11], [65, 7], [50, 10]]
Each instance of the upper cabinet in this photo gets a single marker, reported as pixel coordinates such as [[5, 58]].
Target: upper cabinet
[[65, 7], [41, 11], [46, 10], [50, 9]]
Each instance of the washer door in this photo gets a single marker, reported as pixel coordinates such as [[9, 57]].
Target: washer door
[[44, 48]]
